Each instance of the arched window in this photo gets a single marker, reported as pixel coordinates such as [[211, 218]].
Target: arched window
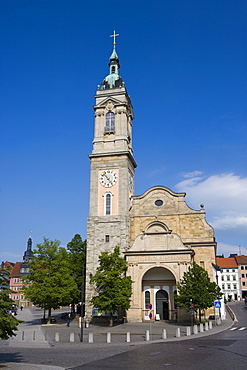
[[147, 299], [110, 122], [108, 204]]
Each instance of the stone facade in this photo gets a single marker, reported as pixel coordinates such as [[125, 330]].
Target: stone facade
[[157, 232]]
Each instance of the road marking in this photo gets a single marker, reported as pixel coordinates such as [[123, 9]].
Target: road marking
[[244, 327], [233, 328]]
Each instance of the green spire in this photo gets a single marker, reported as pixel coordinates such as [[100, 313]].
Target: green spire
[[114, 79]]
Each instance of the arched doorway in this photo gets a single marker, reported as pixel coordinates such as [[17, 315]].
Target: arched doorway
[[158, 285], [162, 304]]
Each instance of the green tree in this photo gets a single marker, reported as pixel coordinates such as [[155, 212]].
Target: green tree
[[50, 283], [8, 323], [195, 290], [113, 287], [77, 260]]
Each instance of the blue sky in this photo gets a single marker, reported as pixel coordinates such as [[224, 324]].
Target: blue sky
[[184, 65]]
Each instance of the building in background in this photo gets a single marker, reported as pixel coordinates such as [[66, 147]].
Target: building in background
[[242, 270], [230, 283], [19, 270]]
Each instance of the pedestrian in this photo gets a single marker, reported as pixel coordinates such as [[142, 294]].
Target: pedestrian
[[245, 301], [68, 320], [21, 308]]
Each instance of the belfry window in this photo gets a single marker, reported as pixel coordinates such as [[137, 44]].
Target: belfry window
[[108, 204], [110, 122]]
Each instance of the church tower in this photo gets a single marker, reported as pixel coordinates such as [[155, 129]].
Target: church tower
[[112, 169]]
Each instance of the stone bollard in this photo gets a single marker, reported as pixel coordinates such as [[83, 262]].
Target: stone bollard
[[147, 336], [72, 337], [34, 335], [90, 338], [178, 334], [108, 337], [210, 325], [128, 337], [56, 337], [195, 329], [206, 326], [188, 331], [201, 328], [163, 333], [23, 335]]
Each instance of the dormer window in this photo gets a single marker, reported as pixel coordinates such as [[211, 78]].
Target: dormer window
[[110, 122]]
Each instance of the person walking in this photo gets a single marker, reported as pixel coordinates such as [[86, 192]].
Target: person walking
[[68, 320]]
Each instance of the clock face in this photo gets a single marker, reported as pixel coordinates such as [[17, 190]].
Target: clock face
[[108, 178], [130, 182]]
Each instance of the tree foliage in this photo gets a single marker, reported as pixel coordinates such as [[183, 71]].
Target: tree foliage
[[113, 288], [195, 290], [77, 260], [50, 283], [8, 323]]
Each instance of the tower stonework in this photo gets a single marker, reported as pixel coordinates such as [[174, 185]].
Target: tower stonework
[[112, 169], [159, 235]]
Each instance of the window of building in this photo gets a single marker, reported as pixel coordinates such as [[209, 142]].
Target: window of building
[[234, 277], [233, 270], [110, 122], [242, 267], [202, 264], [242, 275], [227, 270], [234, 286], [245, 267], [223, 286], [243, 283], [147, 299], [222, 278], [16, 280], [107, 238], [229, 286], [228, 277], [108, 204], [246, 275]]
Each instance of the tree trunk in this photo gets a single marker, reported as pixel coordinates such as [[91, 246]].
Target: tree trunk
[[200, 315], [44, 315], [49, 315]]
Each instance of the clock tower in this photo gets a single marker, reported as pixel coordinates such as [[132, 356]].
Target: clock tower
[[112, 168]]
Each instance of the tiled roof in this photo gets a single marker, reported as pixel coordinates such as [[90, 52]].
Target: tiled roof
[[226, 262], [16, 270], [241, 260]]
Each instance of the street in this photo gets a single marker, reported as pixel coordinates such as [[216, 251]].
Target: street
[[226, 349]]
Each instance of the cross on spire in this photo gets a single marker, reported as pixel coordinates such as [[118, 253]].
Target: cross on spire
[[114, 37]]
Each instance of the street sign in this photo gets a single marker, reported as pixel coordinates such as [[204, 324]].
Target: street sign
[[150, 306], [150, 315], [217, 304]]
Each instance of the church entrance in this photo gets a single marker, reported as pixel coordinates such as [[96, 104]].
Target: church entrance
[[162, 306], [158, 289]]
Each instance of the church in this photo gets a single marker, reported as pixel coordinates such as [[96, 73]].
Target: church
[[159, 235]]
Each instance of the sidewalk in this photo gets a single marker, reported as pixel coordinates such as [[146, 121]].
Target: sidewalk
[[32, 334]]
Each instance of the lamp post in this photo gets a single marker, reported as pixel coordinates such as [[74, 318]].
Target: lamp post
[[82, 299]]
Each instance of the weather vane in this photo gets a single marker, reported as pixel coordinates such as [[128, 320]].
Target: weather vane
[[114, 37]]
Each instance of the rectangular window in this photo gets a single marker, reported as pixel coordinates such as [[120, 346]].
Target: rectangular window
[[227, 270], [233, 270], [243, 283], [107, 238], [229, 286], [16, 280], [242, 267], [228, 277], [222, 278], [242, 275], [223, 286], [245, 267], [234, 277], [234, 286], [202, 264]]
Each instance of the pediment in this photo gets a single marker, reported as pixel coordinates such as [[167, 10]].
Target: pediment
[[108, 101], [158, 242]]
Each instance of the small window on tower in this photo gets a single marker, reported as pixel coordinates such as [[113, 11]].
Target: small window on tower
[[110, 122], [107, 238], [108, 204]]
